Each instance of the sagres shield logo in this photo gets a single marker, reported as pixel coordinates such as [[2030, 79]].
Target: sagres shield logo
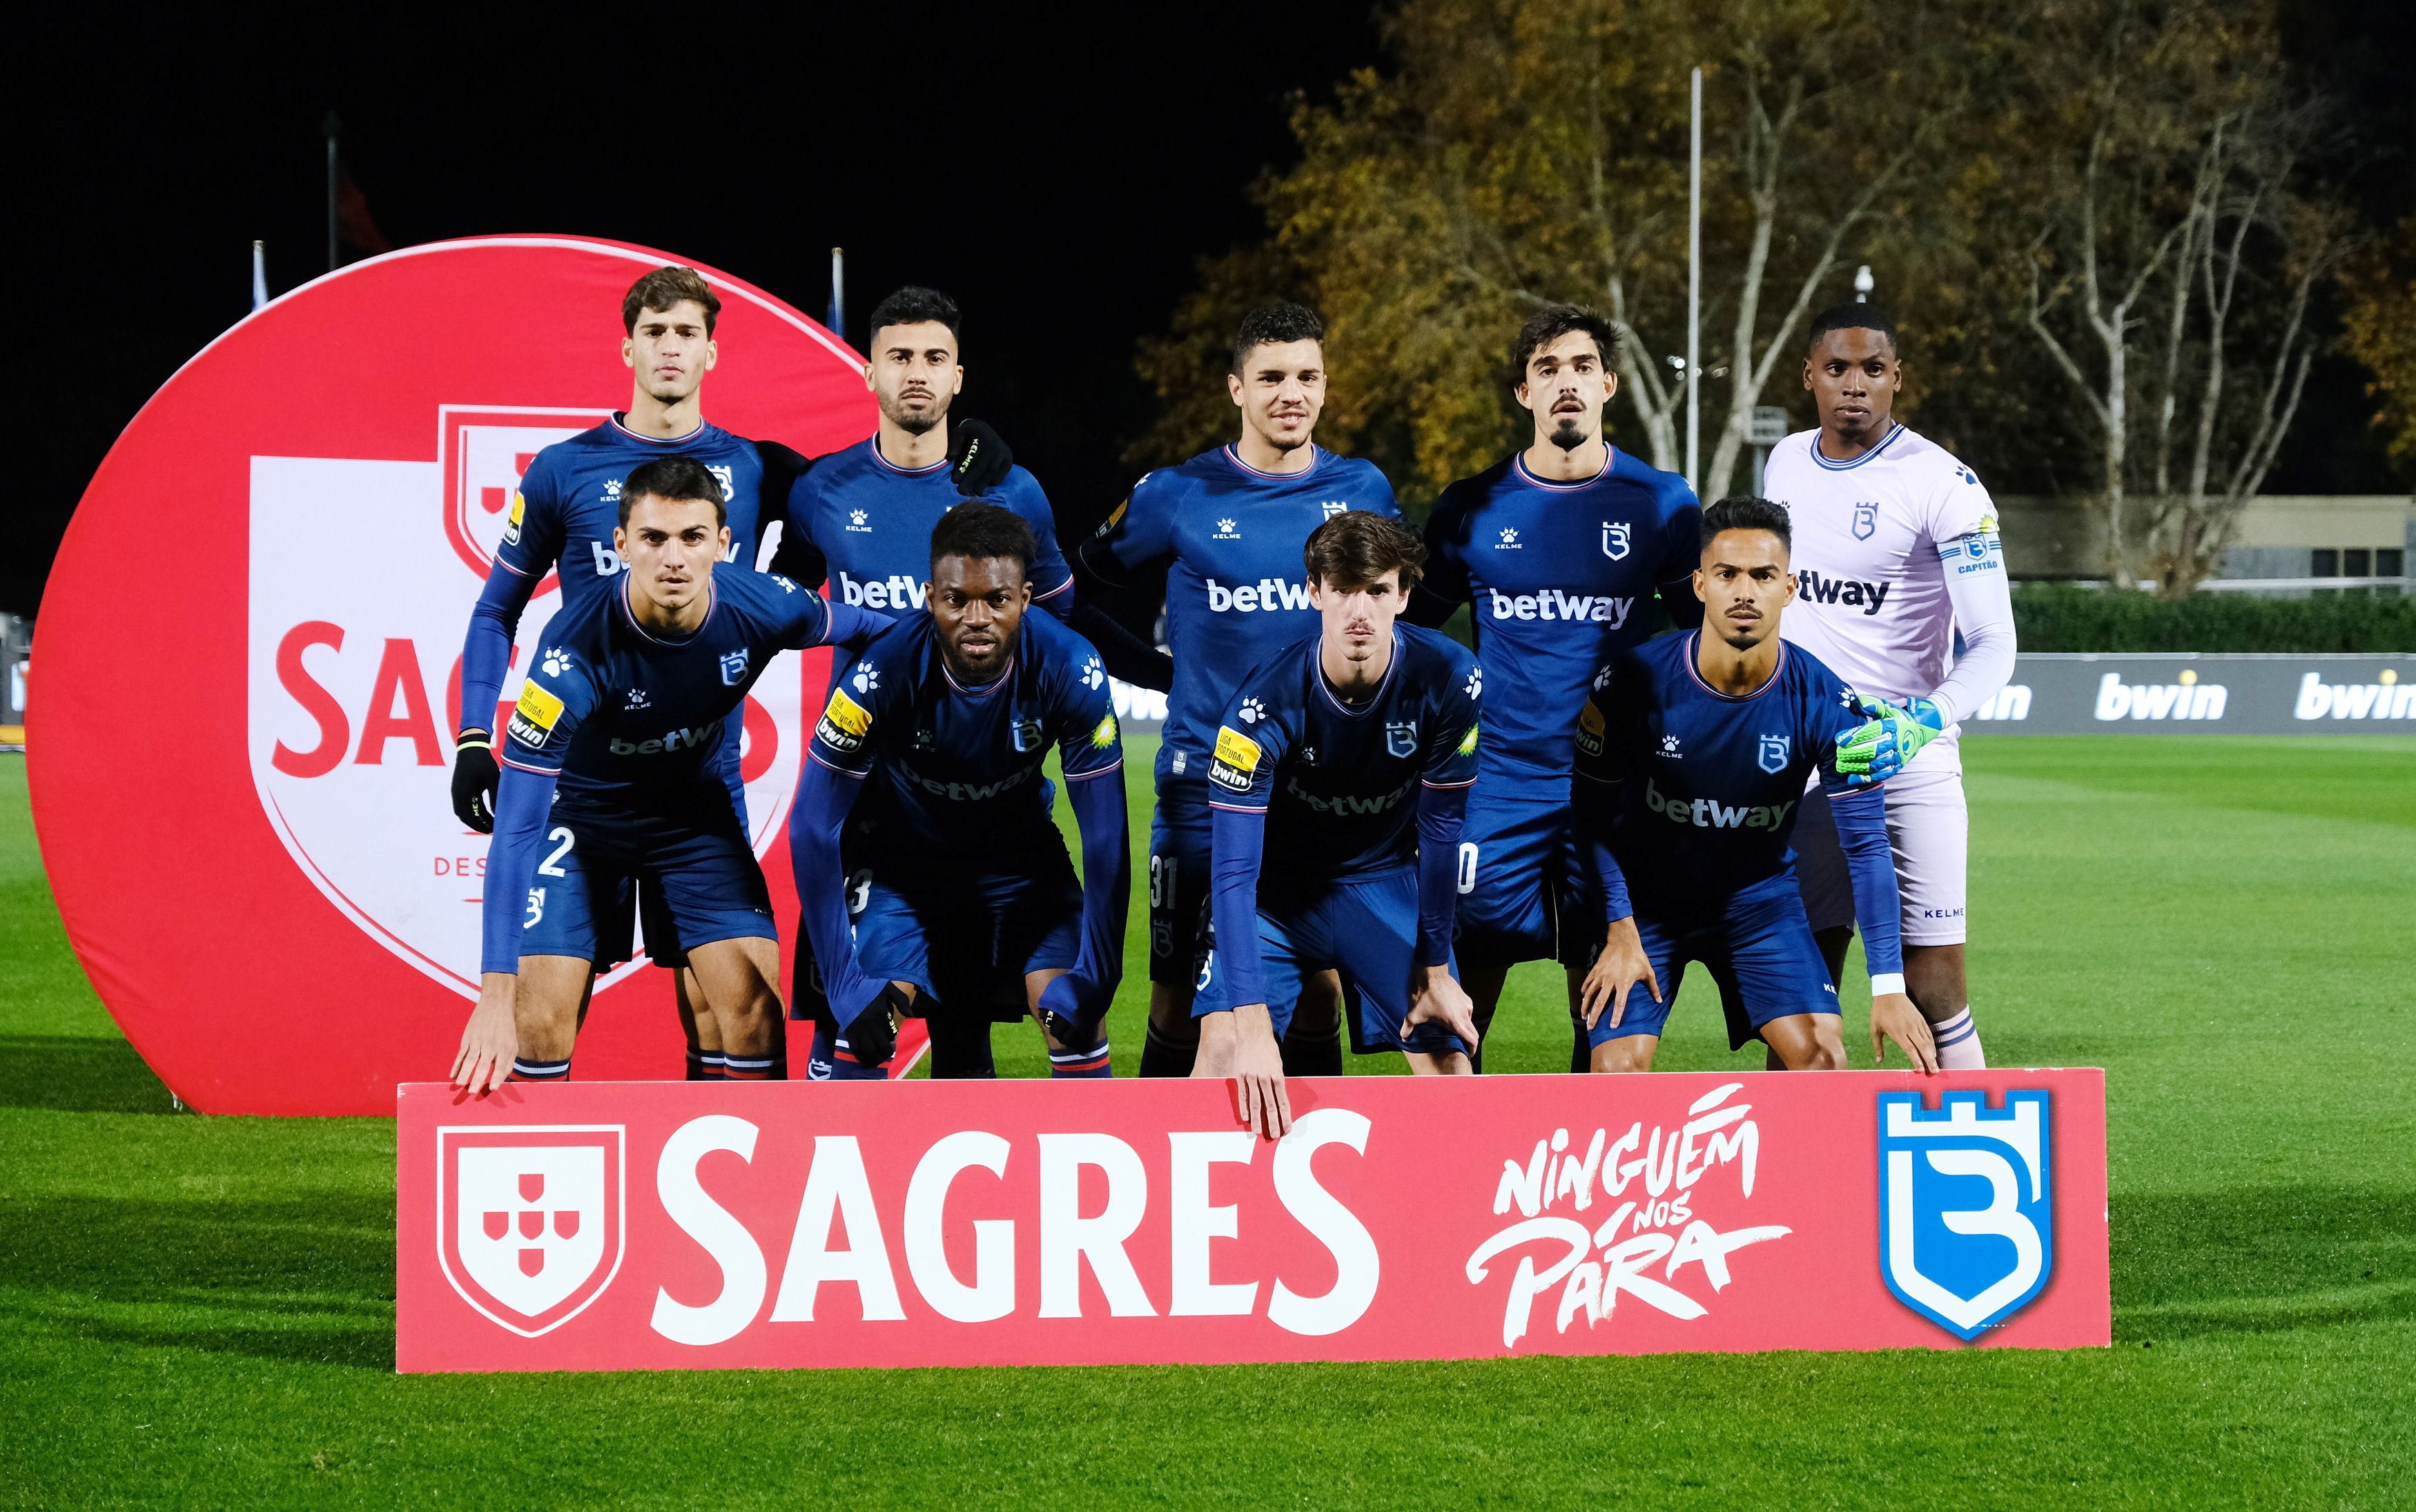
[[528, 1219], [362, 576], [1967, 1225]]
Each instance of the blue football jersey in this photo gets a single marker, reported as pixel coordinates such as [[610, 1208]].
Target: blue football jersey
[[569, 500], [864, 526], [1338, 781], [1709, 784], [629, 718], [954, 771], [1560, 576], [1229, 538]]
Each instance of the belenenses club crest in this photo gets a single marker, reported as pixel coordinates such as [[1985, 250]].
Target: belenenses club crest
[[1966, 1216]]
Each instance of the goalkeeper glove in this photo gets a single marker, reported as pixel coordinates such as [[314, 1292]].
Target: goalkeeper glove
[[473, 782], [977, 458], [1877, 750]]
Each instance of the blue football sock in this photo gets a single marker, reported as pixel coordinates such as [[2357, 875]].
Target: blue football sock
[[1082, 1065], [525, 1070]]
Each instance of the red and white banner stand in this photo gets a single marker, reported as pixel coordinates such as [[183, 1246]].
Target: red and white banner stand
[[250, 648], [648, 1226]]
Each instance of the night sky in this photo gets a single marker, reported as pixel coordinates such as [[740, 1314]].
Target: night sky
[[1058, 169]]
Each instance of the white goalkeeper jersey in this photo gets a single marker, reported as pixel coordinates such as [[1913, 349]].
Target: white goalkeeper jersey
[[1877, 541]]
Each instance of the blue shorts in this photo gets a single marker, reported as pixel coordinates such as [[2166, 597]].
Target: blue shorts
[[1521, 895], [1181, 846], [1758, 947], [1367, 928], [967, 938], [590, 861]]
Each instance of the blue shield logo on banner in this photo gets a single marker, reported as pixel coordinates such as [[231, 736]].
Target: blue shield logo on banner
[[1967, 1221], [1401, 737], [734, 668], [1774, 754], [1867, 519]]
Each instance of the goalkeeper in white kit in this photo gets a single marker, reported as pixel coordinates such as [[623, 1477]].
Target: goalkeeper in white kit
[[1897, 551]]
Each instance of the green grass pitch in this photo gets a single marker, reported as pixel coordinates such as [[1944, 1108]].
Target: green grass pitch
[[199, 1311]]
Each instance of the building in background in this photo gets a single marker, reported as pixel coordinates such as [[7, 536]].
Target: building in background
[[2287, 544]]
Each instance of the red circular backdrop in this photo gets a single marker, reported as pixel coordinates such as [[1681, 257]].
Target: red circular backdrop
[[248, 659]]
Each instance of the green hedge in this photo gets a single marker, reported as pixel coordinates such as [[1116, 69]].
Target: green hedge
[[2061, 617]]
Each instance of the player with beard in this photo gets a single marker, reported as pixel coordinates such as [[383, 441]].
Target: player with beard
[[562, 521], [1559, 549], [613, 774], [1226, 529], [1692, 755], [861, 519], [943, 725], [1896, 552]]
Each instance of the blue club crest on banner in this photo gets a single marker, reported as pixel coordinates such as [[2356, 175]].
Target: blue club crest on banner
[[1967, 1217], [734, 668], [1772, 753]]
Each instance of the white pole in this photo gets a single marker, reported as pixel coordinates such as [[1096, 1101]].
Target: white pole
[[839, 294], [259, 274], [1694, 282]]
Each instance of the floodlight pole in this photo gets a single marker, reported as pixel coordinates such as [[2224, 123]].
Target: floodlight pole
[[1694, 282], [259, 274], [838, 322]]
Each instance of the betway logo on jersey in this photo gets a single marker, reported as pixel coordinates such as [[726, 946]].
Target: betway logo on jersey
[[1710, 814], [1819, 588], [1348, 805], [1248, 598], [965, 792], [353, 640], [1552, 604], [895, 592], [677, 741], [2188, 698]]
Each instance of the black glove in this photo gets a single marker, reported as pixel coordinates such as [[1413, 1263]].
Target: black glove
[[473, 782], [872, 1035], [977, 458]]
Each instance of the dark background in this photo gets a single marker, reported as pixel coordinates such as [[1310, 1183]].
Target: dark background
[[1059, 171]]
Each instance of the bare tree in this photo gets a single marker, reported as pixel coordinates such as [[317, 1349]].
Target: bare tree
[[2183, 240]]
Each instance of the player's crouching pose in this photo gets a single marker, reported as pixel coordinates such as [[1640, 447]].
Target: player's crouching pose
[[1691, 761], [935, 741], [1341, 775], [613, 773]]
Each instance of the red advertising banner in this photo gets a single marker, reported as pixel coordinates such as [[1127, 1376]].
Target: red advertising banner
[[646, 1226], [250, 648]]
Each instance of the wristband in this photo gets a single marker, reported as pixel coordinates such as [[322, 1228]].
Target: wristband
[[1887, 981], [474, 740]]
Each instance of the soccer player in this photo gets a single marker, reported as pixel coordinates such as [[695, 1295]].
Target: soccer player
[[861, 519], [928, 757], [1560, 550], [613, 773], [562, 521], [1340, 773], [1226, 528], [1690, 766], [1896, 552]]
